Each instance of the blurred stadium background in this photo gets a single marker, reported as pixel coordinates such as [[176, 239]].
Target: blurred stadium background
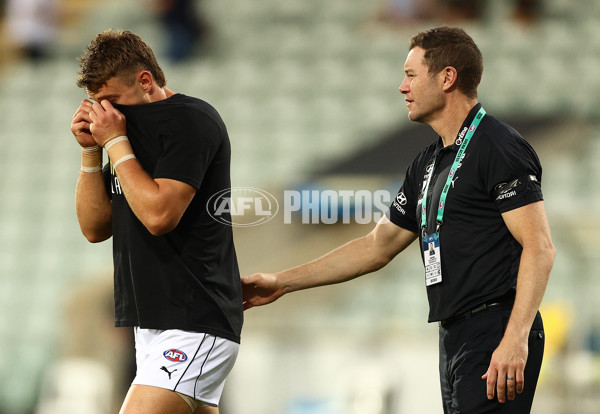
[[308, 90]]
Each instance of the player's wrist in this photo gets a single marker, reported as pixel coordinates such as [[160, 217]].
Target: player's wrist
[[114, 141], [119, 150], [284, 285], [91, 159], [517, 333], [91, 149]]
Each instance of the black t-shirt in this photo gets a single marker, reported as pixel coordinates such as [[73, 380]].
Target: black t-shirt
[[480, 258], [188, 278]]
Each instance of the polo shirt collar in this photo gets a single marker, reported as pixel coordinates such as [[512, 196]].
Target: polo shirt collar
[[454, 147]]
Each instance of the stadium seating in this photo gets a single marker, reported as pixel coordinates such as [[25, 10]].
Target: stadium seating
[[299, 84]]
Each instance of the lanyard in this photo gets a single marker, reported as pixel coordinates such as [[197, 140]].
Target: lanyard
[[453, 169]]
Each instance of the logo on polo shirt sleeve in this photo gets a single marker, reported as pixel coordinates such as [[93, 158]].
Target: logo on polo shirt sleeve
[[506, 190], [400, 201]]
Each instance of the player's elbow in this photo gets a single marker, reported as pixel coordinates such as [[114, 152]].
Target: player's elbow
[[378, 257], [551, 252], [159, 229], [546, 247], [96, 231], [380, 261], [544, 251], [96, 236], [160, 224]]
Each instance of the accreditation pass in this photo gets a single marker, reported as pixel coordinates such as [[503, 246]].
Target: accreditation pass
[[432, 259]]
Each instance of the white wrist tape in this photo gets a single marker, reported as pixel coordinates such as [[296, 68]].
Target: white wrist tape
[[91, 159], [91, 149], [123, 159], [114, 141], [91, 169]]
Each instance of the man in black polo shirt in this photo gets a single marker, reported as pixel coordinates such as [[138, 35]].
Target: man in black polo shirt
[[474, 201]]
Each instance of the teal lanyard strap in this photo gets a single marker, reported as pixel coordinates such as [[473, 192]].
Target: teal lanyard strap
[[453, 169]]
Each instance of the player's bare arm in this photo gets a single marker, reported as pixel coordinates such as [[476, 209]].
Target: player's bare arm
[[158, 203], [529, 226], [92, 205], [355, 258]]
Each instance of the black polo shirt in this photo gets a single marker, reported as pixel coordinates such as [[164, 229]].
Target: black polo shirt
[[480, 258]]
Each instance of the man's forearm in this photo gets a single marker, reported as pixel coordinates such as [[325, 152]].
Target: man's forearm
[[534, 271], [529, 226], [93, 207], [347, 262], [356, 258], [159, 204]]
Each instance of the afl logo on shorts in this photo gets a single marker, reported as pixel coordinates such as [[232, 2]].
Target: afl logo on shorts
[[175, 355]]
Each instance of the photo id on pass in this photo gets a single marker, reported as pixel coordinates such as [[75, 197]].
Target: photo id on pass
[[432, 259]]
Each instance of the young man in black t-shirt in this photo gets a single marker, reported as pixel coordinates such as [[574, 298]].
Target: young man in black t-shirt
[[176, 275], [474, 201]]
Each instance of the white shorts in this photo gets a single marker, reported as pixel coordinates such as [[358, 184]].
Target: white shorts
[[190, 363]]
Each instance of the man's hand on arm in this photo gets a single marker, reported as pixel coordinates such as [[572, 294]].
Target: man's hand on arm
[[529, 226], [358, 257]]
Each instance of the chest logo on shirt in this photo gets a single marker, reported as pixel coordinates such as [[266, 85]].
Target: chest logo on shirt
[[175, 355], [461, 136], [115, 186], [454, 181]]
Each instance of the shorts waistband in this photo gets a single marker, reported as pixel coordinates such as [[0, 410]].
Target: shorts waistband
[[503, 301]]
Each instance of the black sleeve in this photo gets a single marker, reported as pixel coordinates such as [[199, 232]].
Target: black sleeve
[[403, 210], [513, 173], [192, 140]]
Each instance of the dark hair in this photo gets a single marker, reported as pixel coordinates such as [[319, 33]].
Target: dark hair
[[119, 53], [452, 46]]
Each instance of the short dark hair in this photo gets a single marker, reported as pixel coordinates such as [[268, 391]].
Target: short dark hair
[[452, 46], [116, 53]]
